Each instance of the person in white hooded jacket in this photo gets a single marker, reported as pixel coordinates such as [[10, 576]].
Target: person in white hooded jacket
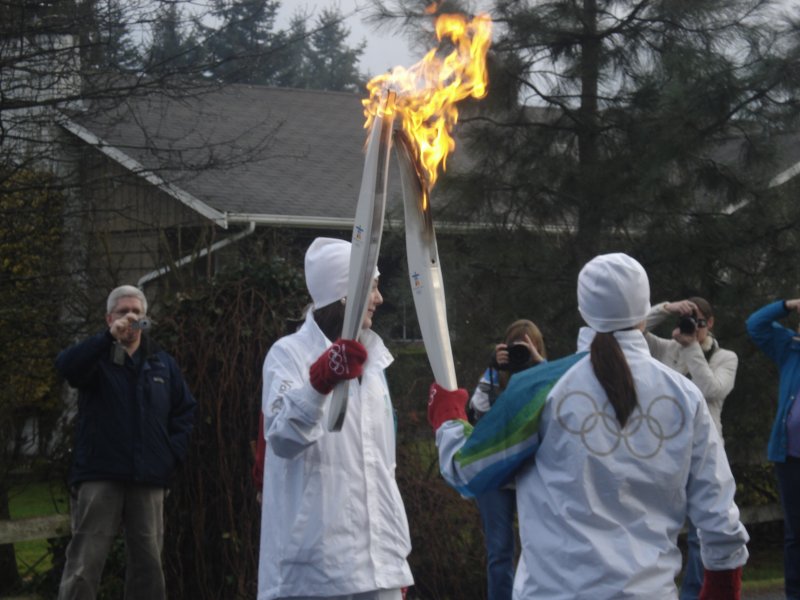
[[333, 523], [695, 354], [624, 450]]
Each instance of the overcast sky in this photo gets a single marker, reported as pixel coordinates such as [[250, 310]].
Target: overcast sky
[[384, 49]]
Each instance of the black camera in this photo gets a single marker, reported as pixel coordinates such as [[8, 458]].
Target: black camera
[[518, 356], [687, 324]]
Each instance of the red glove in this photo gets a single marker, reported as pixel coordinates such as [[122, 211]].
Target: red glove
[[445, 405], [343, 360], [722, 585]]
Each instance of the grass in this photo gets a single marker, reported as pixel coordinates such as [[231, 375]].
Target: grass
[[36, 500], [764, 569]]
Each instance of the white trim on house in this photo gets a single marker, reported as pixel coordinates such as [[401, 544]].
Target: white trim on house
[[137, 168]]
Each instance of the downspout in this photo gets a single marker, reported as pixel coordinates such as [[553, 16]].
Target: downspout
[[152, 275]]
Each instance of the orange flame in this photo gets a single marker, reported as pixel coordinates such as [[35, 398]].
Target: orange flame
[[428, 91]]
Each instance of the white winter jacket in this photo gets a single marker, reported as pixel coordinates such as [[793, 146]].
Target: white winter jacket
[[600, 507], [714, 376], [333, 522]]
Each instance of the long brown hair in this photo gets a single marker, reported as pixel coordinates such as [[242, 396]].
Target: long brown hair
[[330, 319], [516, 332], [614, 374]]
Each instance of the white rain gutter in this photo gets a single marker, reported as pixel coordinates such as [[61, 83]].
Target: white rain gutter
[[345, 223], [152, 275], [341, 223]]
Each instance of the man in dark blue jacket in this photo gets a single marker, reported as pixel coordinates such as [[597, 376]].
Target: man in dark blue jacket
[[135, 415]]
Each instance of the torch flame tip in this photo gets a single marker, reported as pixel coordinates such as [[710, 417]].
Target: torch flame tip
[[425, 95]]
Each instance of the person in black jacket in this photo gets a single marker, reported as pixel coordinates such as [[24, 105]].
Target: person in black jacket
[[135, 416]]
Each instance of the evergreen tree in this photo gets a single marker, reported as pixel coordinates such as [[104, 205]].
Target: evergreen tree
[[246, 48], [241, 47], [647, 126], [633, 98], [608, 122], [332, 65], [172, 48], [107, 31], [290, 56]]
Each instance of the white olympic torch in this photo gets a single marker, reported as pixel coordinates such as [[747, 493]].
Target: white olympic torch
[[426, 94], [424, 270], [366, 241]]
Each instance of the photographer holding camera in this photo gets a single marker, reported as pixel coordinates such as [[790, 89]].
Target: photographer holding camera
[[694, 351], [135, 415], [522, 348]]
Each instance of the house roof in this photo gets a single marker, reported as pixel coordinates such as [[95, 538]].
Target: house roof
[[257, 154], [242, 153]]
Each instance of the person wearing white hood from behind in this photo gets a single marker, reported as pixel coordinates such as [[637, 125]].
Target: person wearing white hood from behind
[[624, 450], [333, 524]]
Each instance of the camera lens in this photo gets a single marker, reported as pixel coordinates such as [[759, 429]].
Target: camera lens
[[687, 324], [518, 355]]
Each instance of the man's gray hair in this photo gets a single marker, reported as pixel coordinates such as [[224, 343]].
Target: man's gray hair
[[125, 291]]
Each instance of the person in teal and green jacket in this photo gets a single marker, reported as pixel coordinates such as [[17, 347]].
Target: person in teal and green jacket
[[610, 451]]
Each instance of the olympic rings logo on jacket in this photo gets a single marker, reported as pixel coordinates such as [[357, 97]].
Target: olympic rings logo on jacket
[[644, 434]]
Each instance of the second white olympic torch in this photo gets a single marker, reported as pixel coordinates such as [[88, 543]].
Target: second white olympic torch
[[424, 270]]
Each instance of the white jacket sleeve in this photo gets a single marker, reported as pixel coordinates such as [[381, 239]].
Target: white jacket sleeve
[[487, 457], [656, 315], [293, 409], [714, 377], [480, 398], [710, 492], [658, 346]]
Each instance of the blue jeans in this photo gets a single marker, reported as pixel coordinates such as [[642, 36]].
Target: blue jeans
[[693, 572], [498, 509], [788, 474]]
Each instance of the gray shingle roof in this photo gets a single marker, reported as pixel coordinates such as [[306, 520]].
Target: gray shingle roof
[[247, 150]]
